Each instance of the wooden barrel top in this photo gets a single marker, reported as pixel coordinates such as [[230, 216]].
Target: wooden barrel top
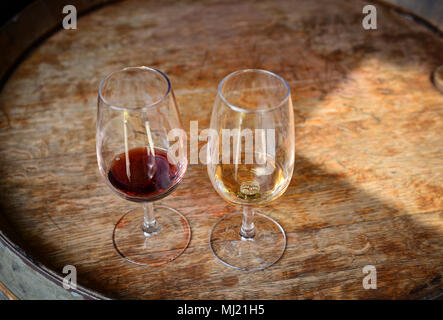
[[368, 182]]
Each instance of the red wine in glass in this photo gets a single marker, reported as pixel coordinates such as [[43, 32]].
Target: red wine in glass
[[149, 175], [136, 111]]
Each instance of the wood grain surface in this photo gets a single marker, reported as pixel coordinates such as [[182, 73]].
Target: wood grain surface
[[6, 293], [368, 182]]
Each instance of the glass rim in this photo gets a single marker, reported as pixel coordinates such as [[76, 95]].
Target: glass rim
[[145, 68], [239, 109]]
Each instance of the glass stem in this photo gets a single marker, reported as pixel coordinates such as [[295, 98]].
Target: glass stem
[[150, 225], [247, 230]]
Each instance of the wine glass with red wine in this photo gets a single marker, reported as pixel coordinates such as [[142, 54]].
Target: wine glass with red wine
[[253, 106], [141, 152]]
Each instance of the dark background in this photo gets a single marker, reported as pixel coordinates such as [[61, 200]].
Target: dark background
[[8, 9]]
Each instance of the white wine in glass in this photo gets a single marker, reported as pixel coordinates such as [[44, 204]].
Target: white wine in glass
[[254, 184], [250, 163]]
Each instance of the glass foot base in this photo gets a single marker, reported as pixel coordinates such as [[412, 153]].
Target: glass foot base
[[260, 252], [156, 249]]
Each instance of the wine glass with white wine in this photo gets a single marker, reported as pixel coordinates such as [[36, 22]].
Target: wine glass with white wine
[[250, 163]]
